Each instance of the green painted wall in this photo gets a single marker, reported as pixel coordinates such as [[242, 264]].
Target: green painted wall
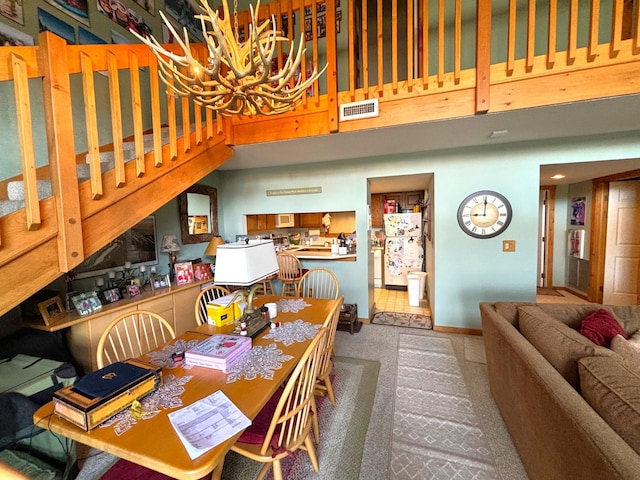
[[467, 270]]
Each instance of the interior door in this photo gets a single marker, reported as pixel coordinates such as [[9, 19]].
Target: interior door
[[622, 257]]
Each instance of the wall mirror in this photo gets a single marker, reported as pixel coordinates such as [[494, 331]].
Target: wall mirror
[[198, 209]]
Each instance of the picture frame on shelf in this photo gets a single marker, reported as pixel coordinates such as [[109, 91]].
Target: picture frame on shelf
[[86, 303], [112, 295], [202, 271], [51, 310], [184, 272], [133, 290], [160, 281]]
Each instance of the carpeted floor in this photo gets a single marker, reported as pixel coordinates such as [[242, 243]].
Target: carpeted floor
[[436, 432], [403, 320]]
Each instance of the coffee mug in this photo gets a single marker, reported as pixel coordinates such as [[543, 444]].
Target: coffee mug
[[273, 310]]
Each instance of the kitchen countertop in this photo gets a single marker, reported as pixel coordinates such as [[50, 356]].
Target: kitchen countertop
[[313, 252]]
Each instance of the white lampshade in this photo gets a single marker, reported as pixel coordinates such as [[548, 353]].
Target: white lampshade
[[245, 264]]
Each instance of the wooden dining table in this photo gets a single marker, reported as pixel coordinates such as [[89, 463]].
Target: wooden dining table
[[154, 443]]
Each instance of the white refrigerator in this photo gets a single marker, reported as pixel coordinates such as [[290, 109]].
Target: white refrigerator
[[403, 251]]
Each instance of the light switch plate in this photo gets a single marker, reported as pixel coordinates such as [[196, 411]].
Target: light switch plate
[[508, 245]]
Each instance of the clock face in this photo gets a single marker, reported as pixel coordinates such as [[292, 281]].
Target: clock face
[[484, 214]]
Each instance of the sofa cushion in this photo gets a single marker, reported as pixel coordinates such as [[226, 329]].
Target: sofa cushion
[[600, 327], [613, 391], [559, 344], [629, 350]]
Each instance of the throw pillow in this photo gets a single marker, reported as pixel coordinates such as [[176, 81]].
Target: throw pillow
[[629, 350], [559, 344], [613, 391], [600, 327]]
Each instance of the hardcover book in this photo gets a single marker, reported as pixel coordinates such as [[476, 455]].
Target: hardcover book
[[218, 351]]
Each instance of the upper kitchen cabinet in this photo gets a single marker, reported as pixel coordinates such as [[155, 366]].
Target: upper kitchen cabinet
[[377, 210], [260, 223], [405, 200], [309, 220]]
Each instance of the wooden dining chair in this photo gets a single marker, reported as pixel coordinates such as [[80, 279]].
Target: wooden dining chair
[[284, 424], [205, 296], [318, 283], [132, 334], [323, 380], [289, 273]]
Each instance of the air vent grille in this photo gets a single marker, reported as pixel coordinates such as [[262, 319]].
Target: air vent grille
[[355, 110]]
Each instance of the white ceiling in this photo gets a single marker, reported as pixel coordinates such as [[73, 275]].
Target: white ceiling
[[595, 117]]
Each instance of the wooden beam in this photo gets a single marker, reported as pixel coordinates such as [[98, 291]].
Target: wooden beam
[[483, 56], [332, 70]]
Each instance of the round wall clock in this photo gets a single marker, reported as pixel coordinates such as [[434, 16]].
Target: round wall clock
[[484, 214]]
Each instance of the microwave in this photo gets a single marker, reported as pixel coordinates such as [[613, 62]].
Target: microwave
[[285, 220]]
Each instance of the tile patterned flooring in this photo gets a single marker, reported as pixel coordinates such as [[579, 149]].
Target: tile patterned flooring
[[398, 301]]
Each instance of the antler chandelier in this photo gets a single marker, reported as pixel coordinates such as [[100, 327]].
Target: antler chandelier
[[237, 77]]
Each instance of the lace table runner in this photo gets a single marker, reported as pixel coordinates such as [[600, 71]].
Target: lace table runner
[[259, 361], [291, 305], [293, 332]]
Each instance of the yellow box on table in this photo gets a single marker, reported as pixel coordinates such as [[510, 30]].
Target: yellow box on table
[[222, 311]]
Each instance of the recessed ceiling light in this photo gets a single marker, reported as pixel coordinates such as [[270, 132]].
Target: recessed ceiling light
[[558, 176], [499, 133]]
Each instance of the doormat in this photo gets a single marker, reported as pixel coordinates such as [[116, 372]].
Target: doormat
[[548, 291], [413, 320]]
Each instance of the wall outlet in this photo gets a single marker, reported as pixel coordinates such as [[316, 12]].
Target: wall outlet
[[508, 245]]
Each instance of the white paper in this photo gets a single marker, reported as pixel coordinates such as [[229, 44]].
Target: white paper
[[207, 423]]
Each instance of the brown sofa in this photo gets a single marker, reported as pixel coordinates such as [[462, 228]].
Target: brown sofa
[[536, 361]]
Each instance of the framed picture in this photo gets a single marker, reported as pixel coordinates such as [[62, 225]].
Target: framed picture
[[12, 9], [184, 272], [51, 310], [76, 9], [112, 295], [578, 210], [575, 243], [160, 281], [133, 290], [202, 271], [53, 24], [86, 303]]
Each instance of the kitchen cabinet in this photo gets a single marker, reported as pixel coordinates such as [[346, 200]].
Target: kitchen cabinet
[[405, 200], [377, 210], [261, 222], [310, 220]]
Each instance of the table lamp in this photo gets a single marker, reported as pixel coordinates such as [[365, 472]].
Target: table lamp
[[212, 248], [247, 264], [170, 245]]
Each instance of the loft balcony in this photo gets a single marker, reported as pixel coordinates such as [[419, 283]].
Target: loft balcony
[[91, 132]]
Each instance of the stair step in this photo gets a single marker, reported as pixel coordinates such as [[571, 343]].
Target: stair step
[[8, 206], [15, 190]]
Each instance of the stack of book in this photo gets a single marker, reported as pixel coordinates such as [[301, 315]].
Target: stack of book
[[219, 351]]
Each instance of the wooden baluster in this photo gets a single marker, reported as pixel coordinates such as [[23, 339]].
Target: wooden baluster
[[186, 124], [636, 29], [425, 44], [511, 38], [553, 25], [483, 55], [352, 51], [457, 42], [441, 27], [331, 73], [172, 119], [116, 119], [379, 18], [25, 134], [394, 46], [136, 111], [365, 50], [156, 120], [91, 121], [593, 30], [616, 28], [531, 35], [208, 116], [573, 32], [410, 47]]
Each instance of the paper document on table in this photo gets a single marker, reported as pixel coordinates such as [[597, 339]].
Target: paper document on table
[[207, 423]]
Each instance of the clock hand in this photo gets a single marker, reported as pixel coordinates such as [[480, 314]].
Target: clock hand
[[484, 213]]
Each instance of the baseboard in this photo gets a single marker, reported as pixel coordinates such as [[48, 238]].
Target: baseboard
[[457, 330]]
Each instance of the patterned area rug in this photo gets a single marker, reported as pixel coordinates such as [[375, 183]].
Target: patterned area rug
[[403, 320], [436, 432], [343, 429]]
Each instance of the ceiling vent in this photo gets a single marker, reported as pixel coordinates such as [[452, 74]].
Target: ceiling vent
[[357, 110]]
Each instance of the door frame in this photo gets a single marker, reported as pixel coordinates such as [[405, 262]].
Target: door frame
[[546, 234], [599, 231]]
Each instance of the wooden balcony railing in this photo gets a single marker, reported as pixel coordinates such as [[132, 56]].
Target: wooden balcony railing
[[422, 60]]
